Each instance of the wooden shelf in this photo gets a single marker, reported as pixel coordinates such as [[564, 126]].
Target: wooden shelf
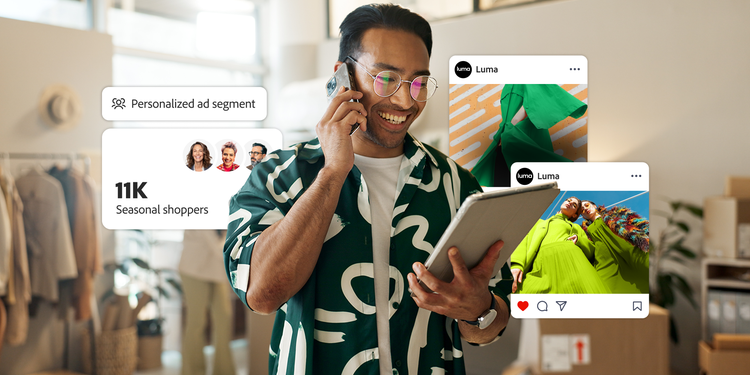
[[725, 274], [728, 283]]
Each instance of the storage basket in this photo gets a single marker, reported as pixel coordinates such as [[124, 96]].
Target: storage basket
[[116, 352]]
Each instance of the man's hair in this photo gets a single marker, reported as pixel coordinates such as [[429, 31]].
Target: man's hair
[[262, 148], [386, 16]]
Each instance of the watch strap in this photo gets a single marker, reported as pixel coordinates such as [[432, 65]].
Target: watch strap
[[493, 305]]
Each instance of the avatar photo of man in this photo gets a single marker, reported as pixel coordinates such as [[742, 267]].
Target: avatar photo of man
[[257, 150]]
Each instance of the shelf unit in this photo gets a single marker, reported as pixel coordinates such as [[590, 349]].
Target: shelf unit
[[724, 274]]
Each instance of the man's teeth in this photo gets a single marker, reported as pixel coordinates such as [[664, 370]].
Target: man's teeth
[[392, 119]]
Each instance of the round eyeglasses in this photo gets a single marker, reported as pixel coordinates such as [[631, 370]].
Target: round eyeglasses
[[387, 82]]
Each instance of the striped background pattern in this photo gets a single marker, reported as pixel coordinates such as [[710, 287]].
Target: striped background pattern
[[474, 118]]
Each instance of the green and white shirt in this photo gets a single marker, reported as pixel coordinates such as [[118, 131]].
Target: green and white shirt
[[329, 326]]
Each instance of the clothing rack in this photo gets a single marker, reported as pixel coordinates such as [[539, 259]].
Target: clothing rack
[[72, 156]]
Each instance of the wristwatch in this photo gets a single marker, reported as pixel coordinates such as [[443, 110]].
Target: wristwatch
[[487, 317]]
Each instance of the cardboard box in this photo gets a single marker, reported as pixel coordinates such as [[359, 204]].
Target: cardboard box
[[722, 362], [606, 346], [726, 227], [723, 341], [737, 187]]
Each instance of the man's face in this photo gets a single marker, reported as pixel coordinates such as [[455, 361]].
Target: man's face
[[406, 54], [256, 155]]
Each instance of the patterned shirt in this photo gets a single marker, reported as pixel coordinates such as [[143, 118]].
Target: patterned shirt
[[329, 326]]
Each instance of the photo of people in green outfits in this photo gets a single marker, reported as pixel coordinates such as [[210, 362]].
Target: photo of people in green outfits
[[512, 123], [592, 242]]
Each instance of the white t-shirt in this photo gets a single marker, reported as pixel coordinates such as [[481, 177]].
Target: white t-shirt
[[381, 177]]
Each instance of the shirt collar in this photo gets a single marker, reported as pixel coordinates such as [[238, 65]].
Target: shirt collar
[[414, 150]]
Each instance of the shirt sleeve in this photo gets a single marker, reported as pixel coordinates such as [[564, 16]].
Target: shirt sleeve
[[583, 242], [631, 254], [265, 198]]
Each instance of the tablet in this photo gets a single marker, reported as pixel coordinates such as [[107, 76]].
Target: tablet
[[485, 218]]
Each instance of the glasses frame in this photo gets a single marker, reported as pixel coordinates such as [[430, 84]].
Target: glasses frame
[[374, 77]]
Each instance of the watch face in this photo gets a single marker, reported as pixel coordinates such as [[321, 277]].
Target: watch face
[[487, 319]]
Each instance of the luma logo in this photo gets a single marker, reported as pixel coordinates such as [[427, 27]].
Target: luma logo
[[524, 176], [462, 69]]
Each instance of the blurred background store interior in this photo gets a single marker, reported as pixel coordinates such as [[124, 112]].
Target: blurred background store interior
[[668, 83]]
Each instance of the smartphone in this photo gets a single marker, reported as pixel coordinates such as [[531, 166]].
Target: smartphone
[[342, 77]]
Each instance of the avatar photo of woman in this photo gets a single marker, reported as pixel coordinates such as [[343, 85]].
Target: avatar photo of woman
[[199, 158], [228, 154]]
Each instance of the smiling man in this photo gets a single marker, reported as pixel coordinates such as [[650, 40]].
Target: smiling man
[[332, 234]]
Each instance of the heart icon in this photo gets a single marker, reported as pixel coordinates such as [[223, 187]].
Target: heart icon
[[523, 305]]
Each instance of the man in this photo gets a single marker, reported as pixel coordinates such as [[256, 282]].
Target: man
[[257, 153], [331, 234]]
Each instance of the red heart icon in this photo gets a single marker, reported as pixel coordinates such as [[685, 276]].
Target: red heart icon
[[523, 305]]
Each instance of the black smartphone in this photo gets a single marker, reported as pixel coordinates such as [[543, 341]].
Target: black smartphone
[[342, 77]]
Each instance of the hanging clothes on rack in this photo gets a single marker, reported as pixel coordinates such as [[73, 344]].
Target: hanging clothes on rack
[[78, 190], [50, 247], [19, 284], [5, 248]]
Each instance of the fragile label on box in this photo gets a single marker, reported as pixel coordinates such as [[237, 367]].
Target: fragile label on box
[[580, 349], [556, 353]]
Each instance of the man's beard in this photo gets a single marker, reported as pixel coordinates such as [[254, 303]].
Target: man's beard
[[254, 162], [381, 139]]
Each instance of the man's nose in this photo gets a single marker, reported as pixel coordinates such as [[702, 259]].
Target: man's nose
[[402, 97]]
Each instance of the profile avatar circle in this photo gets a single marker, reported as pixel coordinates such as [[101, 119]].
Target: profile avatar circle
[[462, 69], [524, 176]]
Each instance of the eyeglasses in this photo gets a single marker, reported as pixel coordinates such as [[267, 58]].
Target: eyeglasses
[[255, 153], [387, 82]]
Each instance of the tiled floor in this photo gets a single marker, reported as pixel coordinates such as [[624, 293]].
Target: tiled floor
[[172, 360]]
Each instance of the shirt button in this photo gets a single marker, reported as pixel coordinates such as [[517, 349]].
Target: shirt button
[[398, 363], [395, 305]]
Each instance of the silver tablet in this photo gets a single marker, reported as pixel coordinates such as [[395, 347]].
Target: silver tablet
[[485, 218]]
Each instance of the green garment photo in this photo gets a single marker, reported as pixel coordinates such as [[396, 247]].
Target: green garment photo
[[622, 266], [529, 140], [552, 264]]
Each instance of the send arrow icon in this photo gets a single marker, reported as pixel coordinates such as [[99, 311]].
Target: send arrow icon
[[561, 304]]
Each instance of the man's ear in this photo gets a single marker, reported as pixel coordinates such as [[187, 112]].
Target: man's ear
[[336, 66]]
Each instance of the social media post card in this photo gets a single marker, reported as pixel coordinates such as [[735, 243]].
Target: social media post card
[[508, 109], [177, 178], [588, 255]]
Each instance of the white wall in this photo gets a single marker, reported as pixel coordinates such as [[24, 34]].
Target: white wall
[[668, 85], [33, 56]]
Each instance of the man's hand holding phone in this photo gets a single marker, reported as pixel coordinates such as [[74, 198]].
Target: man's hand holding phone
[[335, 127]]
